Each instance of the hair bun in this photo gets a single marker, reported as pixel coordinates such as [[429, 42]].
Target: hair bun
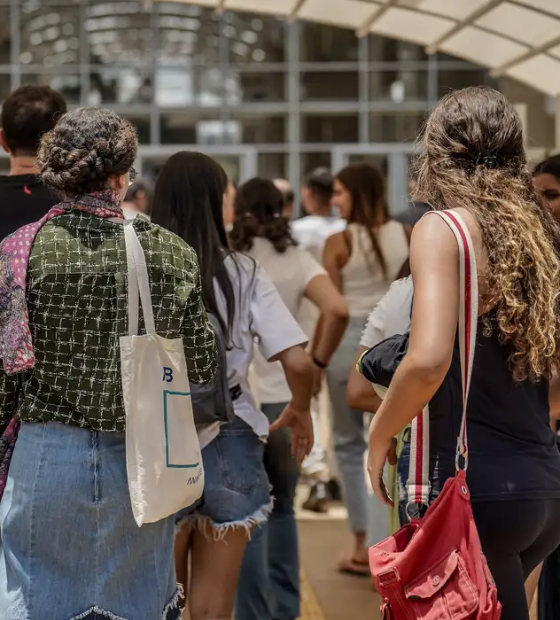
[[86, 148]]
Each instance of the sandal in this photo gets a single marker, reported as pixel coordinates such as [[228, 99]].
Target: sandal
[[349, 565]]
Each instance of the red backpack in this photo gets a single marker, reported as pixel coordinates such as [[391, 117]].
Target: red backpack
[[433, 568]]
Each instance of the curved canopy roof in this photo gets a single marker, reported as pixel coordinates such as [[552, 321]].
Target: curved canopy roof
[[516, 38]]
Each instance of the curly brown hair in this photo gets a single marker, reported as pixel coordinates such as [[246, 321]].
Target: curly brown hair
[[86, 148], [258, 213], [472, 156]]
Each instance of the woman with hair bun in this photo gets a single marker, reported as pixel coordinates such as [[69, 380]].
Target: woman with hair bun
[[69, 545], [263, 232]]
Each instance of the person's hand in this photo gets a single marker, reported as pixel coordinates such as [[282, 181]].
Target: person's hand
[[301, 427], [379, 451]]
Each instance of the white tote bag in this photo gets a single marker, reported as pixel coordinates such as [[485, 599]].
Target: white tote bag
[[163, 459]]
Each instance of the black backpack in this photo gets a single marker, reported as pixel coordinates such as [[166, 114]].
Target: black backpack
[[213, 402]]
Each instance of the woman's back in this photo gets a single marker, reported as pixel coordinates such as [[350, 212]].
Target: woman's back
[[512, 450], [364, 282], [77, 298], [290, 272]]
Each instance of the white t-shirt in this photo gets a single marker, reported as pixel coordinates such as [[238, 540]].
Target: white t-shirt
[[290, 272], [260, 315], [311, 233], [391, 315]]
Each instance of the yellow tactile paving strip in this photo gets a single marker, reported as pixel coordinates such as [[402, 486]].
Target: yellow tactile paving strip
[[310, 608]]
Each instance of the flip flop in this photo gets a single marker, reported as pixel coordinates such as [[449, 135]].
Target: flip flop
[[348, 565]]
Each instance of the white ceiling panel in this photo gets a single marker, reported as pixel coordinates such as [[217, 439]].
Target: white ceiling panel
[[454, 9], [501, 36], [411, 25], [541, 72], [555, 51], [483, 47], [546, 6], [524, 25], [349, 13], [275, 7]]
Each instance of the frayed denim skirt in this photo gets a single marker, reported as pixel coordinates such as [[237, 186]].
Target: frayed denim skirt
[[69, 546]]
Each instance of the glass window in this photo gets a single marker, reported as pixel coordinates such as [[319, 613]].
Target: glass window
[[310, 161], [258, 128], [329, 128], [142, 124], [254, 38], [188, 34], [395, 127], [49, 35], [190, 127], [186, 86], [68, 84], [449, 80], [399, 85], [383, 49], [5, 37], [254, 86], [273, 165], [118, 32], [320, 43], [329, 85], [112, 85], [5, 86]]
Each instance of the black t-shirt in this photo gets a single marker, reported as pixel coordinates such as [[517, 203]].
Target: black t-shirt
[[23, 199]]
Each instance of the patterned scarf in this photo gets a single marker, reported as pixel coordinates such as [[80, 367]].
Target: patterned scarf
[[16, 346]]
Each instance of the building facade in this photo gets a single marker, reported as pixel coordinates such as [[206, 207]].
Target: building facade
[[263, 96]]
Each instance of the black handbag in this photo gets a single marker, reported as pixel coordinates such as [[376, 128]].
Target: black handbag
[[379, 364]]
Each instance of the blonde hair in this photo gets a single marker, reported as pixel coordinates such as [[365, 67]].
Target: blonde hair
[[472, 156]]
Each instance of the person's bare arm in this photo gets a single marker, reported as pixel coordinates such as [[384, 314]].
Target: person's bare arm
[[335, 256], [296, 416], [360, 393], [334, 317], [434, 263]]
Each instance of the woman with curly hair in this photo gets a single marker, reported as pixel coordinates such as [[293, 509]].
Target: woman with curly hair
[[472, 161], [263, 232], [69, 546]]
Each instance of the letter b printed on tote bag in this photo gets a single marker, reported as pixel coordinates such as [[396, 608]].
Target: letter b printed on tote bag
[[164, 463]]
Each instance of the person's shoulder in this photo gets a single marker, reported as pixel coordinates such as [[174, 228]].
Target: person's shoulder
[[165, 247]]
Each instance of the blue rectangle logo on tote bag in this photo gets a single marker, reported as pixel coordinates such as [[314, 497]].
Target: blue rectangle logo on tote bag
[[175, 429]]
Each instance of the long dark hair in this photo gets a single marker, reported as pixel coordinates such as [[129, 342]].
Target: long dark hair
[[188, 201], [369, 201], [551, 165], [258, 213]]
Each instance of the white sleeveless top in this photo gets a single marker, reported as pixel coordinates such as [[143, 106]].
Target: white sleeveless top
[[363, 282]]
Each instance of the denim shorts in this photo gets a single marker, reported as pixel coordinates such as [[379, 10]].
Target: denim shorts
[[236, 488], [69, 545]]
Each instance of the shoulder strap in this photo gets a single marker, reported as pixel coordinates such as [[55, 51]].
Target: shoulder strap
[[419, 483]]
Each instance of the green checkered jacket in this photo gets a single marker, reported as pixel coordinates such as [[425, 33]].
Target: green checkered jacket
[[77, 300]]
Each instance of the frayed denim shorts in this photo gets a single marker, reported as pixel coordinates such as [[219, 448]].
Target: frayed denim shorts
[[69, 546], [236, 489]]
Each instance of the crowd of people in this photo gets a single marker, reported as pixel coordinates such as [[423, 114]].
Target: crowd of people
[[297, 303]]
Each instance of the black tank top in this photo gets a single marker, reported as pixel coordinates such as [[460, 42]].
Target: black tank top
[[512, 449]]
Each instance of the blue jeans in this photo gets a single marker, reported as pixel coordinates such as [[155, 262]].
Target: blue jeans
[[269, 585], [349, 429]]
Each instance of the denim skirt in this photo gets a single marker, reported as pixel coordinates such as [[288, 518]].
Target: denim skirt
[[69, 546], [236, 486]]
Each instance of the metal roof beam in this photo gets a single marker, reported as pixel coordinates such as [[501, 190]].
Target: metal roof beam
[[365, 28], [294, 13], [469, 20], [535, 51]]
